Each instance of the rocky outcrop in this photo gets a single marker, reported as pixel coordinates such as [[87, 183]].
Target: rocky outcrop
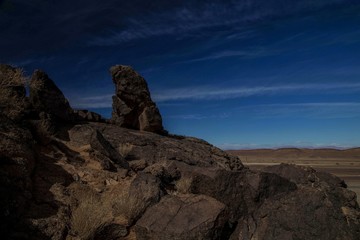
[[132, 104], [68, 177], [46, 96]]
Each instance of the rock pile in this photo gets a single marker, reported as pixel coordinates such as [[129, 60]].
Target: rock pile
[[90, 179]]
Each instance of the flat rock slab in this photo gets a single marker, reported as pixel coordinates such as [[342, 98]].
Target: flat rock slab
[[187, 217]]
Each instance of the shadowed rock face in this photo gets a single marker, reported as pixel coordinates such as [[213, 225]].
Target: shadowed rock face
[[46, 96], [89, 179], [16, 165], [132, 104]]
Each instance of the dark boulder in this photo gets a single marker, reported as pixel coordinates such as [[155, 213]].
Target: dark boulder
[[132, 104], [183, 217]]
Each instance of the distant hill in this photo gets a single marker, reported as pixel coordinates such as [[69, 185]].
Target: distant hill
[[299, 153]]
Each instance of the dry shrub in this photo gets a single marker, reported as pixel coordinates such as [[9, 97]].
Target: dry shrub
[[183, 185], [90, 216], [11, 77], [128, 206], [12, 91], [132, 202]]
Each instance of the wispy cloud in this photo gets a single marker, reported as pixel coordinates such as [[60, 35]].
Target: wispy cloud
[[199, 116], [217, 93], [250, 53], [172, 22], [37, 60], [314, 110], [212, 92], [193, 17], [103, 101]]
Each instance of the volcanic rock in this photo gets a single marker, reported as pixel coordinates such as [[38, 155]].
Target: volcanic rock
[[132, 104]]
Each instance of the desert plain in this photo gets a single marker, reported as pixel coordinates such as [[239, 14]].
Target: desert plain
[[343, 163]]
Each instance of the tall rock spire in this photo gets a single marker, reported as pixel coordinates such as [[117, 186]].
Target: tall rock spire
[[132, 104]]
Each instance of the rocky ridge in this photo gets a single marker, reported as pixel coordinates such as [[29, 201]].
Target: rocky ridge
[[70, 174]]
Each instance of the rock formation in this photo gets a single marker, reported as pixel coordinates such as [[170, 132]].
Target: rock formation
[[132, 104], [91, 179]]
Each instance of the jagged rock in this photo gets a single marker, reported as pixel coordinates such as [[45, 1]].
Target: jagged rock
[[183, 217], [107, 155], [132, 104], [46, 96], [13, 100], [138, 165]]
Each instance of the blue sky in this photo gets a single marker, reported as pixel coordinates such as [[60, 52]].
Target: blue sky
[[239, 74]]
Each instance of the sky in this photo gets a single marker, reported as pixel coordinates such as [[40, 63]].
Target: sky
[[238, 74]]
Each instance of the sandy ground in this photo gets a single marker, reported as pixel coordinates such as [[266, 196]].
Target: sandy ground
[[344, 165]]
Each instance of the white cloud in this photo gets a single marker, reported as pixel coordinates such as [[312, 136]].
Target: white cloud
[[102, 101], [199, 116], [217, 93], [314, 110], [251, 53], [213, 92]]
